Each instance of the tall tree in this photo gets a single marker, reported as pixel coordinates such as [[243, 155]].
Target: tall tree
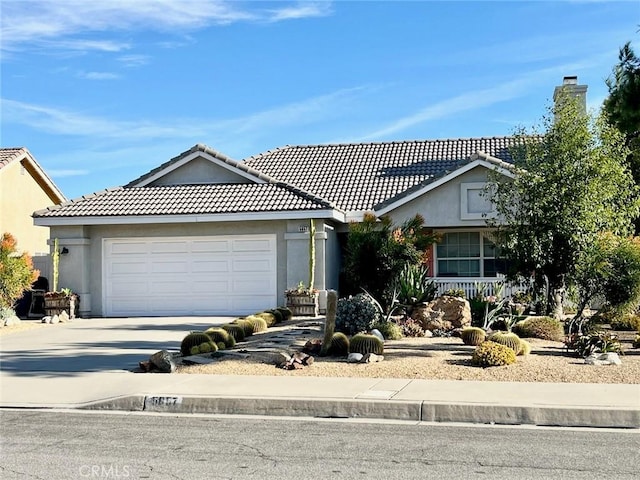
[[571, 183]]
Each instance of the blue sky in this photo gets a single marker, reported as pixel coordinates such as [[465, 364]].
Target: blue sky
[[103, 91]]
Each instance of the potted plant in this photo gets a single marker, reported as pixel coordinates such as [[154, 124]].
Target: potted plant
[[56, 302], [303, 300]]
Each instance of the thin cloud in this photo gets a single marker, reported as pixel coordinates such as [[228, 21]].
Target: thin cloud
[[98, 75], [134, 60], [63, 173], [34, 22]]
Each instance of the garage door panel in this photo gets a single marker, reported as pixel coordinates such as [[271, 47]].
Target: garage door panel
[[190, 275]]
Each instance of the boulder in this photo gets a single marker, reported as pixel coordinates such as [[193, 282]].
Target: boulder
[[55, 319], [377, 333], [354, 357], [371, 358], [163, 361], [46, 319], [603, 359], [63, 317], [444, 313], [13, 320]]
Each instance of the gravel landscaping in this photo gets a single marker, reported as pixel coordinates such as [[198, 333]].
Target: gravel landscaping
[[429, 358]]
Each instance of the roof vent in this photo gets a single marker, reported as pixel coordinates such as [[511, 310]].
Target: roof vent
[[573, 80]]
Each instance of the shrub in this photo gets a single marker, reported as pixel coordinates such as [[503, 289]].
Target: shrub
[[16, 272], [389, 330], [636, 342], [491, 354], [473, 336], [546, 328], [595, 342], [366, 343], [6, 312], [194, 339], [356, 314], [507, 339], [629, 322]]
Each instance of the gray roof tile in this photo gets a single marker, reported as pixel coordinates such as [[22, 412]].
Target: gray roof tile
[[187, 199], [8, 155], [359, 176]]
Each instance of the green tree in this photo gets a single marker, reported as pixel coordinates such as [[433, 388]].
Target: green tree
[[622, 106], [571, 183], [377, 251], [16, 272]]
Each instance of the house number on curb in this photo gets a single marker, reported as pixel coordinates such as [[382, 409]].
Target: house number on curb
[[161, 401]]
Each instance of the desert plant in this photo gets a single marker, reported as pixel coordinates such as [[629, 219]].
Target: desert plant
[[545, 328], [473, 336], [276, 313], [218, 334], [258, 324], [491, 354], [6, 312], [16, 271], [236, 331], [636, 342], [413, 285], [247, 327], [194, 339], [507, 339], [356, 314], [455, 292], [411, 328], [286, 313], [208, 347], [595, 342], [338, 345], [630, 322], [389, 330], [366, 343], [525, 348], [221, 345], [270, 318]]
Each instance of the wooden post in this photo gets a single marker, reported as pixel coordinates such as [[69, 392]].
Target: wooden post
[[330, 322]]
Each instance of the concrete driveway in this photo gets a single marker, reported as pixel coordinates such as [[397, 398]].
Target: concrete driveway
[[95, 345]]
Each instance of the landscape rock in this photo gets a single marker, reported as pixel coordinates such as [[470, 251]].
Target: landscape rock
[[297, 361], [64, 317], [354, 357], [55, 319], [603, 359], [13, 320], [313, 346], [163, 361], [444, 313], [377, 333], [46, 319], [271, 356], [428, 333], [371, 358]]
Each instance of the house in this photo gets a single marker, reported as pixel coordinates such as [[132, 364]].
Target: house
[[203, 234], [25, 187]]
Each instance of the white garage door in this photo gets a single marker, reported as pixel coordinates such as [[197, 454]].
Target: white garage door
[[221, 275]]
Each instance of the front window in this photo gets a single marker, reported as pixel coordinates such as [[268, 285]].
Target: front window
[[468, 254]]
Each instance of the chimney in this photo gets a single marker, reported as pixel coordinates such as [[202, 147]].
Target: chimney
[[570, 85]]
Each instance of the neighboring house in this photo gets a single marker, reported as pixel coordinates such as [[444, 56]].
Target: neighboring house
[[203, 234], [25, 187]]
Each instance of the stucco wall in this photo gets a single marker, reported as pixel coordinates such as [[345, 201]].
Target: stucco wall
[[20, 196], [200, 170], [441, 207], [81, 268]]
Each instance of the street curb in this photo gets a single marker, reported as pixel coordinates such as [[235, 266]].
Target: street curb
[[417, 410]]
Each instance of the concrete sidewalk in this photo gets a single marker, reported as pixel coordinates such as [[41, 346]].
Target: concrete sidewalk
[[26, 382]]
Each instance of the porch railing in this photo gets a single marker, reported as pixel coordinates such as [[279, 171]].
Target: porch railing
[[488, 285]]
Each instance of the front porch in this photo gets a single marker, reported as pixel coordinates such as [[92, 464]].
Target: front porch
[[489, 286]]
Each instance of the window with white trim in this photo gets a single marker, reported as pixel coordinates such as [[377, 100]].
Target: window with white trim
[[468, 254]]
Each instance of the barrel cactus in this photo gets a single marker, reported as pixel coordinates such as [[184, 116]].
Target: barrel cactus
[[276, 313], [236, 331], [390, 330], [492, 354], [509, 339], [366, 343], [339, 344], [208, 347], [286, 313], [258, 324], [525, 348], [194, 339], [270, 318], [473, 336], [218, 334], [221, 345], [247, 327]]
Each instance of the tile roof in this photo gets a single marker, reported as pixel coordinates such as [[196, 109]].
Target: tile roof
[[187, 199], [8, 155], [359, 176]]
